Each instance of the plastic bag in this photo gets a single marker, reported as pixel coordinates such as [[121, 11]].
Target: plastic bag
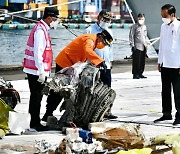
[[18, 122], [136, 151], [4, 115]]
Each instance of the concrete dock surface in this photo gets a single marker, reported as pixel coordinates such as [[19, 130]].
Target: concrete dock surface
[[138, 101]]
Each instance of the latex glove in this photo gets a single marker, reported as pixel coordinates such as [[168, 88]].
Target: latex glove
[[41, 78], [148, 46], [104, 66]]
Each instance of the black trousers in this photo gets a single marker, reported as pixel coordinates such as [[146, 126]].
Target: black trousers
[[138, 62], [35, 99], [170, 77], [106, 77], [53, 99]]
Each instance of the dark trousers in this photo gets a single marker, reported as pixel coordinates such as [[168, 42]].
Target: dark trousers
[[35, 99], [53, 99], [170, 77], [106, 77], [138, 62]]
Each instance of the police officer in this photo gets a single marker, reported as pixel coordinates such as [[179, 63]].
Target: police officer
[[103, 22]]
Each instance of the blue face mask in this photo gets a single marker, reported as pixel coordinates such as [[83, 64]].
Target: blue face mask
[[104, 24]]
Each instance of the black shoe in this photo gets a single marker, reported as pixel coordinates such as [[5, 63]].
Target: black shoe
[[176, 122], [110, 116], [136, 77], [46, 115], [142, 76], [163, 118], [40, 128]]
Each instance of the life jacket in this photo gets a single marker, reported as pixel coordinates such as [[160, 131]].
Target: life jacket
[[29, 61]]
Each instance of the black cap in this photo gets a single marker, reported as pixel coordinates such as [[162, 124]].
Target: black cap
[[50, 11], [106, 36], [105, 14]]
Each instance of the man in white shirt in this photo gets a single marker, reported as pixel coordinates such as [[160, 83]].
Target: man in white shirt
[[38, 61], [103, 22], [169, 62]]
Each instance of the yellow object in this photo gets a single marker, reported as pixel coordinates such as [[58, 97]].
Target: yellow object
[[6, 3], [176, 150], [63, 14], [3, 132], [25, 6], [136, 151], [168, 139], [4, 115], [32, 5], [42, 6]]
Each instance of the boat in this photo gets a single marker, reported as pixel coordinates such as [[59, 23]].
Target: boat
[[152, 11]]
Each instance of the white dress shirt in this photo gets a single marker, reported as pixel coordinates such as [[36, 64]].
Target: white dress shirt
[[39, 47], [106, 53], [169, 48]]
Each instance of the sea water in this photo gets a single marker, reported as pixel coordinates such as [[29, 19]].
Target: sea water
[[13, 43]]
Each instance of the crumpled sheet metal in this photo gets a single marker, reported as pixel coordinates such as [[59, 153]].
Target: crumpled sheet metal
[[90, 97], [67, 77], [122, 137], [78, 147], [43, 146]]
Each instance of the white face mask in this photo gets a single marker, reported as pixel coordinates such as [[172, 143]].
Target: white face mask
[[141, 22], [166, 20], [103, 24], [54, 24]]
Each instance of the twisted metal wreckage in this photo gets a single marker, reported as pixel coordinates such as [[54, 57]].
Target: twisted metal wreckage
[[86, 98]]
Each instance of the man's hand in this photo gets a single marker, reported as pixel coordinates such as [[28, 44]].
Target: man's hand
[[133, 49], [41, 78], [104, 66]]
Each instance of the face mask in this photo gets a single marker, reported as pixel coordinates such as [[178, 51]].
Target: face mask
[[103, 24], [100, 45], [166, 20], [54, 24], [141, 22]]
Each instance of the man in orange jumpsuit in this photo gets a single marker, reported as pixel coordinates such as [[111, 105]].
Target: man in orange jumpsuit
[[80, 49]]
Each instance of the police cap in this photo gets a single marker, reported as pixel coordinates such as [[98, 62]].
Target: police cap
[[50, 11], [107, 38]]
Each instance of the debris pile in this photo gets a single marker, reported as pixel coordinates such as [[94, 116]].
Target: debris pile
[[89, 99]]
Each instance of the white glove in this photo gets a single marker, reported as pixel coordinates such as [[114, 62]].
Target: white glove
[[41, 78]]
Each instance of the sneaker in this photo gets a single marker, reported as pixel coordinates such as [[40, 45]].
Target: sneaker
[[176, 122], [40, 128], [136, 77], [163, 118], [110, 116], [142, 76]]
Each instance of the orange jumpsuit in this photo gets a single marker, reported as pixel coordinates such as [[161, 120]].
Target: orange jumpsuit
[[80, 49]]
